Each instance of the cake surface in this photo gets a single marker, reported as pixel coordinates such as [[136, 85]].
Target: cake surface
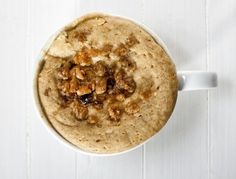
[[106, 85]]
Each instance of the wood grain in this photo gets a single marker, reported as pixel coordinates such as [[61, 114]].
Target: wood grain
[[13, 157], [197, 142], [222, 44]]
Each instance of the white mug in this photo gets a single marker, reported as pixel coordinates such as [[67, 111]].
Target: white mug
[[188, 80]]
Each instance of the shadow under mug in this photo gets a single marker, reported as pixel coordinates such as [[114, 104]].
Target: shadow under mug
[[188, 80]]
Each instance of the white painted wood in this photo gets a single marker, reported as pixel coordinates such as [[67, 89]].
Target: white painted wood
[[12, 93], [197, 142], [222, 106], [47, 157], [180, 150], [128, 165]]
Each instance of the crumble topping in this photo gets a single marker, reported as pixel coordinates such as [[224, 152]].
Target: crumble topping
[[82, 83]]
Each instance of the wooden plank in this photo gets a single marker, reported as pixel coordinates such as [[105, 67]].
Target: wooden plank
[[222, 43], [47, 157], [13, 162], [122, 166], [180, 150], [127, 165]]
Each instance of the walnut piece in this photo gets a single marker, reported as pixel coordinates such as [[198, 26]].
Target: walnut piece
[[125, 82], [115, 112], [132, 108], [83, 59], [63, 73], [83, 90], [101, 85], [100, 68], [80, 111], [120, 97], [77, 72], [74, 85], [65, 87]]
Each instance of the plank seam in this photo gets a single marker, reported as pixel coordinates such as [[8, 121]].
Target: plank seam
[[208, 103], [27, 73]]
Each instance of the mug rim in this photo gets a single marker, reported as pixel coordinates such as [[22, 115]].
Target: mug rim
[[37, 103]]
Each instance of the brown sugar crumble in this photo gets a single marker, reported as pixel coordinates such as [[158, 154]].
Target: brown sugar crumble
[[82, 83]]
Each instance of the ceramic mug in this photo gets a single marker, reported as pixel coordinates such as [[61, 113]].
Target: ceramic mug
[[188, 80]]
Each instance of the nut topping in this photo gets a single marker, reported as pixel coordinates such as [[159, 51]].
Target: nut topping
[[80, 111], [83, 90], [114, 112], [83, 59], [125, 82], [101, 85], [78, 73], [120, 97], [74, 85], [80, 82], [132, 108], [63, 73], [100, 68]]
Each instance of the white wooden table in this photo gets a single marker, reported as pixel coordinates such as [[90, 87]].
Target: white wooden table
[[198, 142]]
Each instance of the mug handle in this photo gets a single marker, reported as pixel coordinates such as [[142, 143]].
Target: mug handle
[[196, 80]]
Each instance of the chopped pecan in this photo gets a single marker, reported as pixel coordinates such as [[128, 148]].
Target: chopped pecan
[[77, 72], [115, 112], [74, 85], [92, 85], [63, 73], [101, 85], [82, 90], [83, 59], [80, 111], [65, 87], [125, 82], [100, 68], [120, 97], [89, 73], [132, 108]]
